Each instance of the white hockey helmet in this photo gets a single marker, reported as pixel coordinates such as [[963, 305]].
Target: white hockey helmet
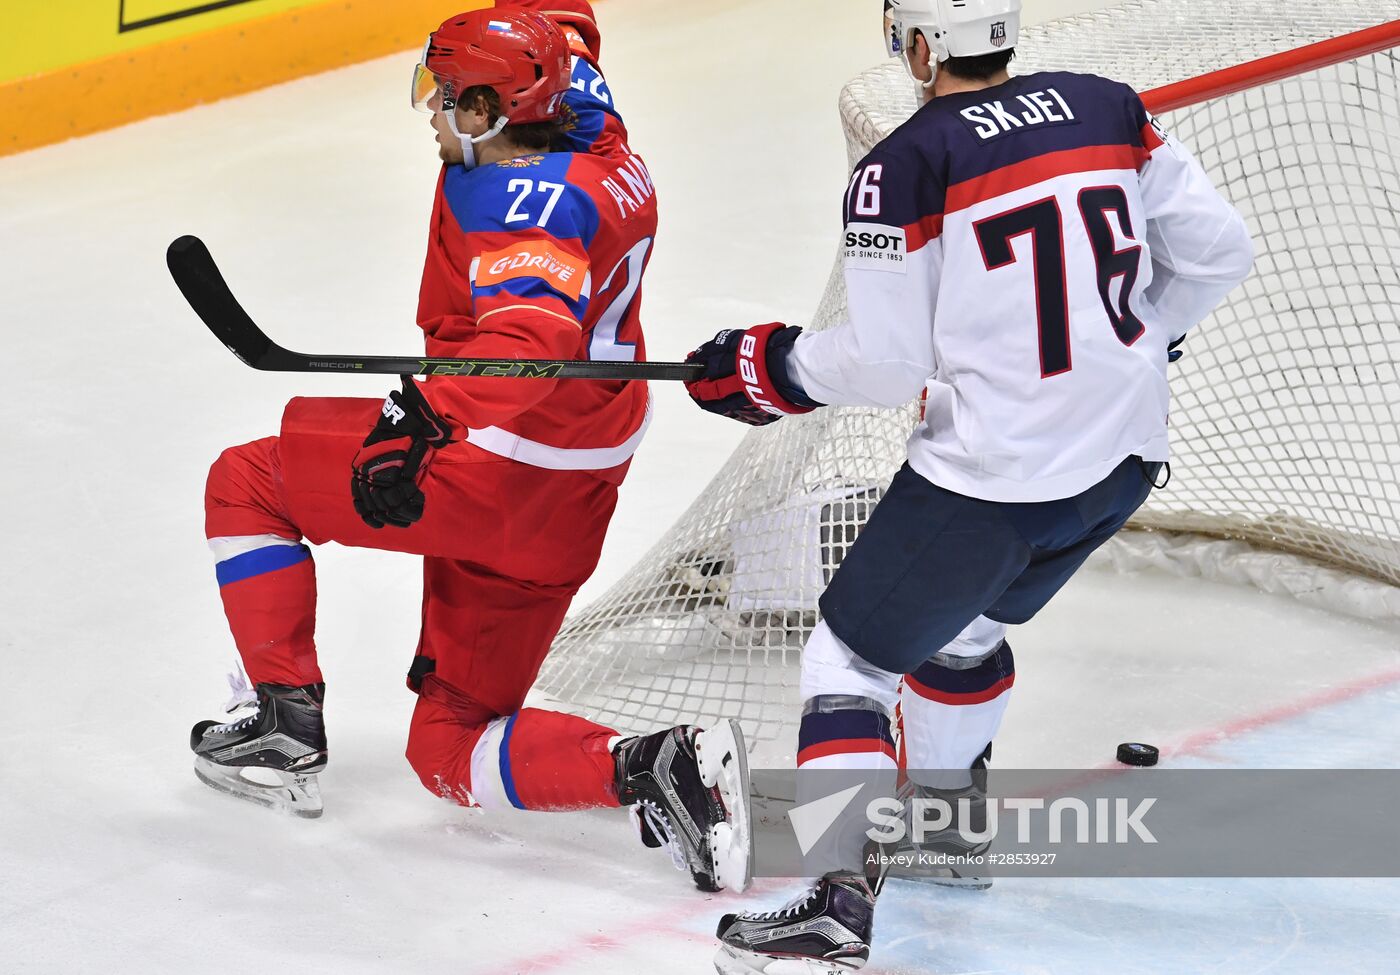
[[952, 28]]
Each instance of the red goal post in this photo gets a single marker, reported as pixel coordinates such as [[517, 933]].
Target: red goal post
[[1286, 415], [1275, 67]]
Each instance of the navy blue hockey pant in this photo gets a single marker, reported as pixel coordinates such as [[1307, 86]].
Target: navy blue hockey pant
[[930, 561]]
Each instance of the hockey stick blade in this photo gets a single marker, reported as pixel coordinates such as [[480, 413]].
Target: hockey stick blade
[[199, 280], [204, 287]]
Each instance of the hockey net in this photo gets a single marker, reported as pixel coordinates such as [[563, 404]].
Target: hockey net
[[1286, 417]]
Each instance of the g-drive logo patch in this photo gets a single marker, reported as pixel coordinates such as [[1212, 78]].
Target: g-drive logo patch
[[876, 247]]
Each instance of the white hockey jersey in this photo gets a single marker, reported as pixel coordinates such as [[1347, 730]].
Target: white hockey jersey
[[1025, 254]]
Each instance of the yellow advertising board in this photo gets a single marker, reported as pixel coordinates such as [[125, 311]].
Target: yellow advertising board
[[71, 67], [45, 35]]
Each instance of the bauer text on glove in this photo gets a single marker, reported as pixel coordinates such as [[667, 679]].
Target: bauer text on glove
[[746, 376]]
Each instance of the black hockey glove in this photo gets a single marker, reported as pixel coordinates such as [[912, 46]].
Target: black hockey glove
[[385, 473], [746, 376]]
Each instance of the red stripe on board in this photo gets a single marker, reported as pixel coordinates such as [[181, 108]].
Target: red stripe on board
[[842, 746], [1008, 179], [966, 698]]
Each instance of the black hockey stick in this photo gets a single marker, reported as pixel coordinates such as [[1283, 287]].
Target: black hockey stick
[[198, 277]]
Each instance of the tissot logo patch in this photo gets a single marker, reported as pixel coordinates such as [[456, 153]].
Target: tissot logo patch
[[875, 247], [534, 259]]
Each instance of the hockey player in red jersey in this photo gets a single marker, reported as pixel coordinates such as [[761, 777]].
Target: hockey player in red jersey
[[504, 486], [1024, 253]]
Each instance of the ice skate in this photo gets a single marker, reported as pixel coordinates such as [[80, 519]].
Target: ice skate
[[272, 754], [689, 792], [969, 807], [826, 930]]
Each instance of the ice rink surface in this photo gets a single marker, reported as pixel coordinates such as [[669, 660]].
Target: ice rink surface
[[314, 196]]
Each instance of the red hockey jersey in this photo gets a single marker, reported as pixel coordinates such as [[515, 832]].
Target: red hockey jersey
[[541, 257]]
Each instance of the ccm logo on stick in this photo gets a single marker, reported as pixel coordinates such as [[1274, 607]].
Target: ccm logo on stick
[[748, 372], [491, 367]]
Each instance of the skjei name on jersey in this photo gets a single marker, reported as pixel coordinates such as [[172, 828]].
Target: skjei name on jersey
[[993, 119], [1023, 255]]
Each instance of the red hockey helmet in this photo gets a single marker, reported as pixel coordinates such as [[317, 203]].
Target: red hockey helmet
[[519, 53], [576, 14]]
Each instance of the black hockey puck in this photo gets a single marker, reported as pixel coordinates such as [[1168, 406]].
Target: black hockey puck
[[1136, 753]]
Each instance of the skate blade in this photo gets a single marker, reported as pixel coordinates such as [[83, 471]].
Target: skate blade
[[297, 795], [725, 763], [735, 961], [961, 883], [948, 880]]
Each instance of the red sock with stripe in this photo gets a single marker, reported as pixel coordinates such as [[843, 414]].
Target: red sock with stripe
[[269, 596]]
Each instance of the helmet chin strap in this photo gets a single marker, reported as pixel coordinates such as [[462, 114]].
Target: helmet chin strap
[[469, 143], [923, 90]]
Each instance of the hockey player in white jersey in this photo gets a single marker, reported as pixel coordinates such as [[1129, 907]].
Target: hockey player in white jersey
[[1025, 253]]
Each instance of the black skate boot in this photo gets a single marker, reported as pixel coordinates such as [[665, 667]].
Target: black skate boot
[[826, 930], [271, 756], [689, 792], [961, 854]]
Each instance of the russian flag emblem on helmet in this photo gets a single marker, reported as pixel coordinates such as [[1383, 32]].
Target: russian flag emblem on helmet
[[521, 54]]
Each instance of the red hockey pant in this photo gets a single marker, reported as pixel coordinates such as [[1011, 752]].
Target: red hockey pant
[[505, 546]]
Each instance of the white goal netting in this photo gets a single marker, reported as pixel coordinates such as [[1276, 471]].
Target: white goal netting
[[1285, 424]]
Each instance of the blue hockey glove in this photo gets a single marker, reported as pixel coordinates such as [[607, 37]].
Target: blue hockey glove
[[746, 375]]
